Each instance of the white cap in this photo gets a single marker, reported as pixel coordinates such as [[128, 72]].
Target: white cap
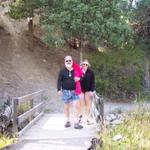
[[68, 58]]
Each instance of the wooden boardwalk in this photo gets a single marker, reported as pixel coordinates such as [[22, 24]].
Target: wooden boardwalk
[[49, 133]]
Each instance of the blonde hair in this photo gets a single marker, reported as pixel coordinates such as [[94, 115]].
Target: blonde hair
[[86, 61]]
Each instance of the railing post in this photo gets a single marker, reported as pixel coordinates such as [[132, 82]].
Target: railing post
[[98, 106], [41, 100], [102, 110], [31, 106], [15, 115], [29, 114]]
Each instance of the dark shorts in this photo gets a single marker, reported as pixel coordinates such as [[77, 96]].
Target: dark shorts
[[69, 96]]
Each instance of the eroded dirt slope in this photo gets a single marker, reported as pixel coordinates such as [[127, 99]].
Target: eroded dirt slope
[[22, 70]]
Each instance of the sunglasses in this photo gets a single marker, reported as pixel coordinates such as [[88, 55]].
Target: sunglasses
[[68, 60], [85, 64]]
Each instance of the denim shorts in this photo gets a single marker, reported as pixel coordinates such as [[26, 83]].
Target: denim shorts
[[69, 96]]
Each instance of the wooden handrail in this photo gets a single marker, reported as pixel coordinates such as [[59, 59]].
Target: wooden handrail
[[25, 115], [28, 114], [29, 96], [97, 111]]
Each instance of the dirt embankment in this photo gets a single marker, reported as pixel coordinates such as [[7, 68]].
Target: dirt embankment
[[23, 71]]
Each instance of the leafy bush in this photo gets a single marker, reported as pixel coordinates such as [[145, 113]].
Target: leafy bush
[[14, 13], [118, 73], [24, 8]]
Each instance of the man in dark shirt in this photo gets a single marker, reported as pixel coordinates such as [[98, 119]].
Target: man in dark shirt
[[66, 89]]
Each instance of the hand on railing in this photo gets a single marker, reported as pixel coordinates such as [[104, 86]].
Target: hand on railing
[[95, 95]]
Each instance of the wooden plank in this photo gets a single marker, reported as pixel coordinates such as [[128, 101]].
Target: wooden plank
[[96, 112], [31, 106], [29, 96], [30, 124], [25, 115], [15, 114]]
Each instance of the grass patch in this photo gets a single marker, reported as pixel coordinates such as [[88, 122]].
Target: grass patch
[[5, 141], [135, 132]]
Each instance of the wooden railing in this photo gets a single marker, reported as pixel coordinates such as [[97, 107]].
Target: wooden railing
[[23, 119], [97, 111]]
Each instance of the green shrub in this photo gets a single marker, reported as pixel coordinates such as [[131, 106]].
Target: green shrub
[[16, 11], [118, 73]]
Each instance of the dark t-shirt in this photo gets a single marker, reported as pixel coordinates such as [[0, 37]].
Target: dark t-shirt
[[66, 80]]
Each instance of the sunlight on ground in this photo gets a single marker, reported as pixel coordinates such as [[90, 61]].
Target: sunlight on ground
[[60, 142], [44, 146], [55, 123], [58, 147]]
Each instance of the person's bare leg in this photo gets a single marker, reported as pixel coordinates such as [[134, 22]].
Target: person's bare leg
[[67, 111], [87, 104], [77, 110], [81, 103]]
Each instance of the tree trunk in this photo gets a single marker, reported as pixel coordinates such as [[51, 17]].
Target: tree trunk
[[81, 53], [82, 45], [30, 30], [147, 74]]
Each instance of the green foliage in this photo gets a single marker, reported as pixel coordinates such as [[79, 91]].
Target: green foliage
[[123, 4], [135, 132], [140, 20], [140, 9], [23, 107], [25, 8], [142, 97], [118, 73], [96, 21]]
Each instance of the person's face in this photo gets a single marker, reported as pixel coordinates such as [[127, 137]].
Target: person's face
[[85, 65], [68, 63]]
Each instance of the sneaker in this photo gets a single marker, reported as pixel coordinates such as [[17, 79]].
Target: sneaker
[[67, 124], [78, 126]]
